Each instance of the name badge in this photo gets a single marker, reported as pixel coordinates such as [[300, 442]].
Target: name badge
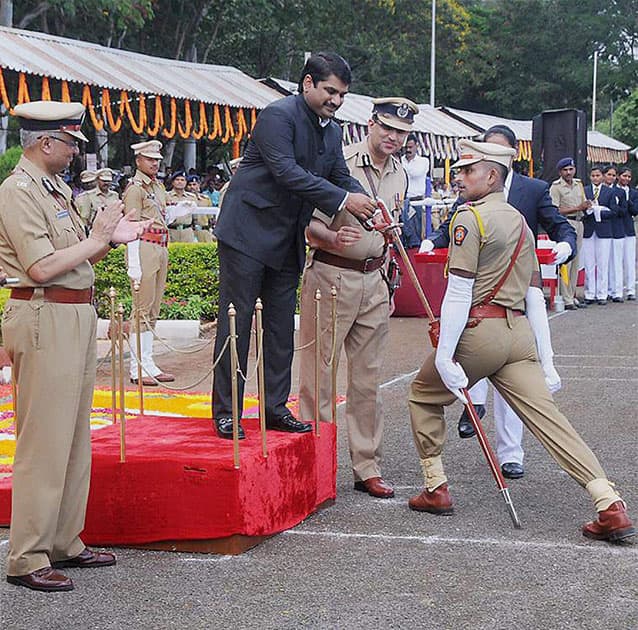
[[62, 214]]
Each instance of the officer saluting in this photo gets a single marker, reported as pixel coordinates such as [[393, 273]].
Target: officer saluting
[[494, 323], [48, 328]]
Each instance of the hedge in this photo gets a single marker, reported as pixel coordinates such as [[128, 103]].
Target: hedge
[[191, 286]]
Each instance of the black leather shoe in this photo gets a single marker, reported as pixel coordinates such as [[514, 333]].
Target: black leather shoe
[[617, 299], [512, 470], [631, 298], [570, 307], [466, 430], [288, 423], [588, 301], [225, 428], [602, 302], [581, 304]]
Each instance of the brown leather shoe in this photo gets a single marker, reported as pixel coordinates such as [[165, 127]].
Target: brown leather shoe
[[375, 487], [88, 559], [438, 501], [612, 524], [147, 381], [46, 579], [165, 377]]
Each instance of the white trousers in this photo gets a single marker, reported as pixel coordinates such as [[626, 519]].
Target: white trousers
[[596, 261], [616, 267], [629, 264], [509, 428]]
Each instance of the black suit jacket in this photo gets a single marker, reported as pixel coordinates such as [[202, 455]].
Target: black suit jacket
[[632, 211], [291, 166], [622, 211], [532, 199], [603, 229]]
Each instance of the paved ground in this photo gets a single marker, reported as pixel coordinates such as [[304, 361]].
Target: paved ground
[[367, 563]]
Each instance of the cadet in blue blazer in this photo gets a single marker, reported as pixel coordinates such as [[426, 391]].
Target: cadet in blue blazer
[[615, 287], [597, 238], [629, 248], [293, 163], [532, 199]]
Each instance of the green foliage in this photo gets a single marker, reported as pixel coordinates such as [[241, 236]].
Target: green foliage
[[626, 120], [8, 160], [191, 286]]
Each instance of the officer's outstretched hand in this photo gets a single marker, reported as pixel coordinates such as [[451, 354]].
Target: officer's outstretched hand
[[562, 251], [128, 230], [452, 375]]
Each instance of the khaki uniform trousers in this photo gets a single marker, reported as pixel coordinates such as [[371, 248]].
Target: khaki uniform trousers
[[362, 329], [507, 356], [203, 235], [53, 350], [568, 292], [154, 263], [184, 235]]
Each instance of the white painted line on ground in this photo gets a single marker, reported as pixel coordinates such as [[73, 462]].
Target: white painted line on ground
[[490, 542], [595, 356], [591, 378], [398, 379], [597, 367], [208, 559], [3, 543]]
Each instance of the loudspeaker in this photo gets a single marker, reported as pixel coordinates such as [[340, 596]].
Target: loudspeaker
[[556, 134]]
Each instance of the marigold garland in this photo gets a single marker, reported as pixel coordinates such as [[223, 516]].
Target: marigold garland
[[253, 118], [185, 132], [203, 122], [217, 123], [66, 94], [23, 90], [159, 118], [3, 94], [228, 124], [87, 101], [170, 132], [242, 127], [46, 89], [137, 127], [107, 114]]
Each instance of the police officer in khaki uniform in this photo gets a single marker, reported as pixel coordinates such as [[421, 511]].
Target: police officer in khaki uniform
[[568, 195], [88, 180], [201, 222], [48, 328], [499, 333], [352, 259], [147, 258], [92, 200], [180, 228]]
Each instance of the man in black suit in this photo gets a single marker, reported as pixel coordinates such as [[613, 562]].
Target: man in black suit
[[293, 164], [532, 199]]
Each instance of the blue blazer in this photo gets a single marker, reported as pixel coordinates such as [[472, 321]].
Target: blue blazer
[[622, 208], [607, 197], [291, 166], [532, 199], [632, 211]]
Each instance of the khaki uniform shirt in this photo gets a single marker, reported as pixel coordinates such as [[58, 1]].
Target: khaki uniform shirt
[[173, 197], [392, 180], [91, 201], [566, 196], [37, 217], [203, 200], [488, 261], [148, 197]]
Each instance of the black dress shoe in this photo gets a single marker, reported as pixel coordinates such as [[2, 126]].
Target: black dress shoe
[[466, 430], [581, 304], [225, 428], [617, 299], [631, 298], [588, 301], [602, 302], [288, 423], [512, 470], [570, 307]]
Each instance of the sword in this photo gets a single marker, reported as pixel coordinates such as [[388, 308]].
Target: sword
[[392, 229]]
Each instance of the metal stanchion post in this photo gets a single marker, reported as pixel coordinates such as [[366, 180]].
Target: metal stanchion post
[[261, 381], [120, 333], [335, 352], [138, 345], [234, 364], [114, 338], [317, 356]]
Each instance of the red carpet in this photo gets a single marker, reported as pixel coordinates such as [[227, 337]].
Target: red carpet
[[179, 482]]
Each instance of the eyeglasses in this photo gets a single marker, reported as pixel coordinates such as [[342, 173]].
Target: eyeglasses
[[389, 129], [72, 144]]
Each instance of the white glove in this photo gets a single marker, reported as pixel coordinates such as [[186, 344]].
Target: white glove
[[134, 267], [426, 246], [537, 316], [562, 251], [454, 312]]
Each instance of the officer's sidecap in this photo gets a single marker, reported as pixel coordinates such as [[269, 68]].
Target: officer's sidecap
[[150, 149], [565, 162], [471, 152], [395, 111], [86, 177], [52, 116], [105, 175]]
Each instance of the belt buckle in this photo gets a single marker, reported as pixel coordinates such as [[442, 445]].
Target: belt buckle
[[366, 262]]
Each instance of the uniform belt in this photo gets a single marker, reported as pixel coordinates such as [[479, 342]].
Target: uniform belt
[[416, 198], [366, 266], [490, 311], [160, 238], [60, 295], [180, 226]]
